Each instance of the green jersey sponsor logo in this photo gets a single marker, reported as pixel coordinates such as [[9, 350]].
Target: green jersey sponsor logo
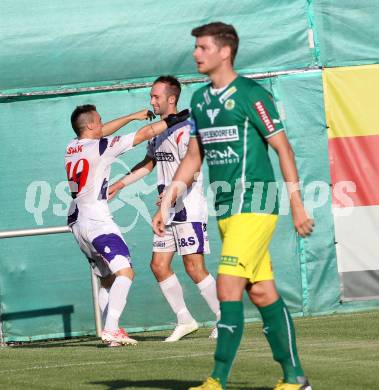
[[206, 97], [212, 114], [219, 134], [221, 157], [229, 104], [264, 115], [229, 92], [200, 106]]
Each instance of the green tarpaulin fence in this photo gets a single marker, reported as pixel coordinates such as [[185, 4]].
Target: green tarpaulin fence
[[48, 46]]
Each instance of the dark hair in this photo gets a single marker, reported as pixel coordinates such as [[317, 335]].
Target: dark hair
[[172, 85], [77, 121], [223, 34]]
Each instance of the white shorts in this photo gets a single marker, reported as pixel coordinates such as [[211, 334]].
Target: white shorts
[[184, 238], [103, 245]]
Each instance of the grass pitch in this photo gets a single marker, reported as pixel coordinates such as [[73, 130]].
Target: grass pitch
[[338, 352]]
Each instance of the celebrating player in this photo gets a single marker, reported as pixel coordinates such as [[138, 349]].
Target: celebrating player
[[234, 121], [185, 231], [88, 159]]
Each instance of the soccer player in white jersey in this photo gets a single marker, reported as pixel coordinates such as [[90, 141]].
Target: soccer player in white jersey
[[186, 231], [88, 161]]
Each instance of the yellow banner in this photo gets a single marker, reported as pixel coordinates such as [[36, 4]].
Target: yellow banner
[[352, 100]]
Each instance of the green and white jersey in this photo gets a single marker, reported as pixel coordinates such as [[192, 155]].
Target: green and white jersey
[[233, 125]]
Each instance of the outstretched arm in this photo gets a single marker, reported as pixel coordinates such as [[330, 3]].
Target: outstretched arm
[[112, 126], [139, 171], [303, 223], [149, 131], [185, 175]]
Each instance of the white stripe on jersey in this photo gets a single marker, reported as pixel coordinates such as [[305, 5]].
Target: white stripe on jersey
[[243, 175]]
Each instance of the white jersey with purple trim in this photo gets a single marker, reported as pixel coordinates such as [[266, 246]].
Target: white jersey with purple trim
[[88, 165], [168, 150]]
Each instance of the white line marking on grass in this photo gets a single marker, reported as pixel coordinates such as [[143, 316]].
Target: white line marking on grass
[[94, 363]]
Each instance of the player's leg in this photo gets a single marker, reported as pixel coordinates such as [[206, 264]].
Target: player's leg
[[100, 269], [105, 286], [192, 243], [112, 257], [163, 252], [277, 323], [195, 267], [279, 331], [231, 283], [230, 326], [230, 329], [118, 294]]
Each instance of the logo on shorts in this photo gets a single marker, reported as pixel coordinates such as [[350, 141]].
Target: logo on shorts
[[229, 260], [159, 244], [183, 242]]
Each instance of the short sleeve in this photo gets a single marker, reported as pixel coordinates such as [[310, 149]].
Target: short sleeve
[[194, 132], [263, 113], [115, 146]]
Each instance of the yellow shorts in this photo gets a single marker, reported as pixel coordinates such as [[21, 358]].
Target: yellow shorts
[[245, 241]]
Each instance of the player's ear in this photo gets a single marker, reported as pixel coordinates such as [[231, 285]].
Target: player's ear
[[226, 52], [90, 121], [172, 99], [90, 125]]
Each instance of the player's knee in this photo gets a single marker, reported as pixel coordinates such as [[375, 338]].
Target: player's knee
[[127, 272], [159, 268], [259, 298], [195, 267], [191, 268], [227, 293], [107, 281], [263, 294]]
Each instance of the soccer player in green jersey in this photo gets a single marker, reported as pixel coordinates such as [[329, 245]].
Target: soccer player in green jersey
[[234, 121]]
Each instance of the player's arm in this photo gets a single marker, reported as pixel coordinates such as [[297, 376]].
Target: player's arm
[[140, 170], [187, 172], [303, 223], [185, 175], [149, 131], [111, 127]]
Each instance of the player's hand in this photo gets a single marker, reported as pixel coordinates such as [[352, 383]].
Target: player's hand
[[159, 199], [158, 223], [304, 224], [144, 114], [114, 189], [173, 119]]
